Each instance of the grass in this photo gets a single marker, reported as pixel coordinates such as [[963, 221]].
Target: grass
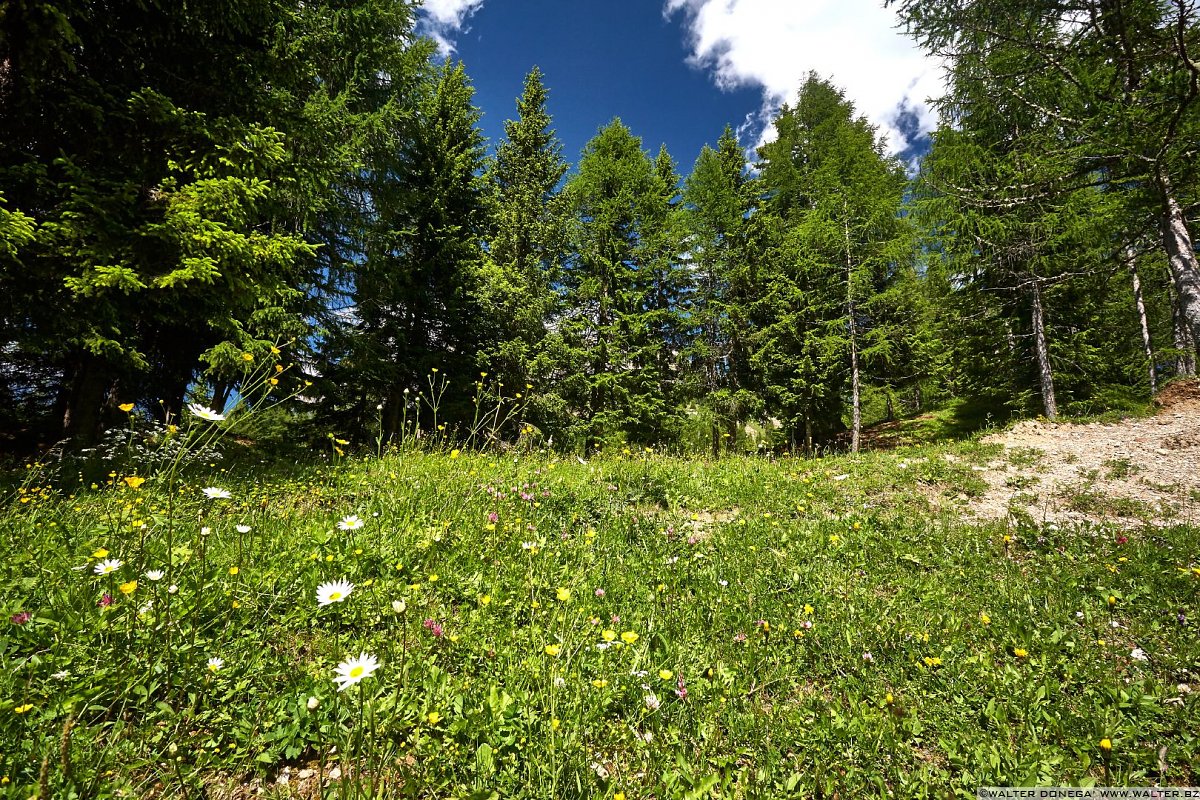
[[631, 626]]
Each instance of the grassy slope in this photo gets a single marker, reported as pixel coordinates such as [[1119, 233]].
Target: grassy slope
[[711, 564]]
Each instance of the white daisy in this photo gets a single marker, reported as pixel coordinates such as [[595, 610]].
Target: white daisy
[[243, 528], [215, 664], [155, 574], [108, 566], [350, 523], [205, 413], [353, 670], [334, 592], [213, 493]]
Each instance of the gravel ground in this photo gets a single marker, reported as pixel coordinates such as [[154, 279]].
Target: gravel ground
[[1132, 472]]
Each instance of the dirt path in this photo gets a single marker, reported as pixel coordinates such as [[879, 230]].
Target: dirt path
[[1131, 472]]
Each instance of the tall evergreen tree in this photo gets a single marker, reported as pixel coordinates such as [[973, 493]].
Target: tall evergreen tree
[[718, 196], [1120, 78], [415, 311], [527, 247], [611, 318], [844, 244]]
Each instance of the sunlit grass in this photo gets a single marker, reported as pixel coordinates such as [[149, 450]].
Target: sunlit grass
[[537, 626]]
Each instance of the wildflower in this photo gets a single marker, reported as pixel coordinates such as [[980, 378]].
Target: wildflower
[[984, 618], [433, 578], [599, 593], [888, 699], [553, 649], [155, 574], [20, 618], [739, 637], [559, 681], [681, 689], [22, 709], [353, 670], [1106, 744], [133, 481], [247, 357], [126, 407], [242, 528], [485, 599], [629, 637], [932, 661], [215, 663], [562, 594], [666, 674], [105, 600], [433, 718], [599, 683], [555, 724], [434, 627], [205, 413], [350, 523], [532, 547], [312, 703], [867, 657], [1138, 654], [608, 635], [808, 610], [333, 592], [652, 702], [128, 588], [1112, 601], [213, 493], [454, 453], [399, 606], [1020, 652], [100, 553], [108, 567]]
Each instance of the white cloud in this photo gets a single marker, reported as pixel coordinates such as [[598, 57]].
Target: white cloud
[[442, 20], [773, 44]]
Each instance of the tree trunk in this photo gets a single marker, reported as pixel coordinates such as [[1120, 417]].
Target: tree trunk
[[891, 411], [1181, 258], [220, 390], [1045, 374], [85, 398], [808, 435], [716, 439], [1139, 301]]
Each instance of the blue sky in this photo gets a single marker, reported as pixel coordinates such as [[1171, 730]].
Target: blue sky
[[677, 71]]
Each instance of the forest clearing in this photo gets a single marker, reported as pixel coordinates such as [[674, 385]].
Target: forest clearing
[[449, 623]]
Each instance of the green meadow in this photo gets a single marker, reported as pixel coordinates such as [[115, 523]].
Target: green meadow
[[523, 624]]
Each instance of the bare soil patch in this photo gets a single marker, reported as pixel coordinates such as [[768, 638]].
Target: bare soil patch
[[1131, 472]]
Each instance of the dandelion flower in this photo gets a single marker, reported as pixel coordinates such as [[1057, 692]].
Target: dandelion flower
[[1106, 744], [128, 588], [213, 493], [350, 523], [333, 592], [353, 670], [108, 566], [433, 718], [155, 574], [215, 663], [205, 413], [1020, 652]]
